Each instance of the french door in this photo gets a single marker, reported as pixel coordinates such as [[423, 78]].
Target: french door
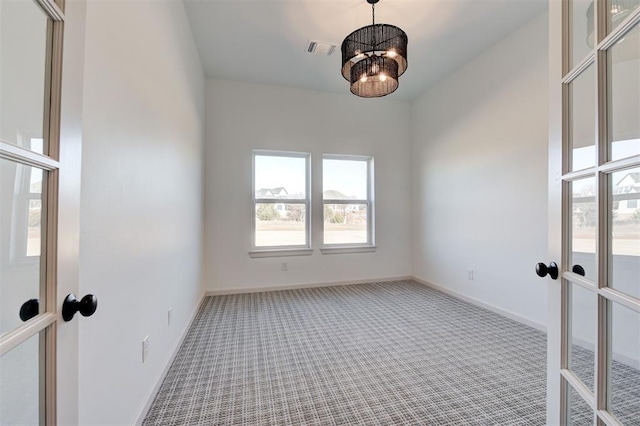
[[594, 215], [38, 350]]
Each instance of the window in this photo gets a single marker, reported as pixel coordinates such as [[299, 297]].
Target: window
[[347, 189], [281, 203], [25, 183], [34, 195]]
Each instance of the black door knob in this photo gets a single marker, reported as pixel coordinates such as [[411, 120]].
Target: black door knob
[[578, 269], [86, 306], [29, 309], [542, 270]]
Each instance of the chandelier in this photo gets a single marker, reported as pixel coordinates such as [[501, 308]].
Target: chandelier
[[373, 57]]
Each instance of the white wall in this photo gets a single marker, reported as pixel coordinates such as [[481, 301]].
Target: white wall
[[141, 212], [242, 117], [479, 176]]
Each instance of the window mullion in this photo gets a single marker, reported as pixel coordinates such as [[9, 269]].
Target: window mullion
[[342, 201], [280, 201]]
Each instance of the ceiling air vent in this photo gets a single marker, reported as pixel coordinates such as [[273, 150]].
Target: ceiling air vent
[[320, 48]]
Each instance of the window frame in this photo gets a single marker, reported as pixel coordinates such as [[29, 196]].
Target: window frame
[[284, 250], [22, 196], [19, 230], [370, 245]]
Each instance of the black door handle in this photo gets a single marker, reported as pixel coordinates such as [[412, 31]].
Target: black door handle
[[542, 270], [578, 269], [29, 309], [86, 306]]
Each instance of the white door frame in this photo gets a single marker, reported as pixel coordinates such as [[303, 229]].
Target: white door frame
[[554, 335], [69, 208]]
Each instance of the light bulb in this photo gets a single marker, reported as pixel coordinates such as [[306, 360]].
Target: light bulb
[[392, 53], [363, 78], [359, 54], [383, 76]]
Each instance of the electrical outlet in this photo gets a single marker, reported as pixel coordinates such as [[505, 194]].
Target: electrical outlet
[[145, 349], [284, 266], [169, 312], [470, 274]]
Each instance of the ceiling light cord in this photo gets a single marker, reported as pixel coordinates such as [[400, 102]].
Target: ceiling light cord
[[373, 36], [373, 13]]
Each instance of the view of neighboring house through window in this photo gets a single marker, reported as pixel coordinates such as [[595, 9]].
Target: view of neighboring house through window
[[347, 188], [624, 200], [280, 199]]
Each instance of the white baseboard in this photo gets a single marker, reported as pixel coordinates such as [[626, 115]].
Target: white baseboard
[[148, 400], [488, 306], [228, 291], [621, 358]]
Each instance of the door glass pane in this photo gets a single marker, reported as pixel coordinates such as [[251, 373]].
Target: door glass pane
[[618, 10], [20, 239], [580, 414], [624, 87], [23, 52], [583, 227], [280, 224], [625, 366], [20, 391], [583, 333], [624, 235], [582, 21], [583, 118], [345, 224]]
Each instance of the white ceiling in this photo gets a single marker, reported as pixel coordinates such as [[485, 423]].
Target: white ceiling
[[264, 41]]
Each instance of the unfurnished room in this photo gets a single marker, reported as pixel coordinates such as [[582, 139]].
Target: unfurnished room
[[320, 212]]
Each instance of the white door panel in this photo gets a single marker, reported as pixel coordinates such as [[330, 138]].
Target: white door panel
[[594, 212], [39, 208]]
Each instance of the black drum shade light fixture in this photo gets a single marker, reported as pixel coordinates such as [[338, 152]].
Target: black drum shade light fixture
[[373, 57]]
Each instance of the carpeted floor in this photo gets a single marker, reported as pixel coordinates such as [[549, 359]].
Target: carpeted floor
[[625, 390], [387, 353]]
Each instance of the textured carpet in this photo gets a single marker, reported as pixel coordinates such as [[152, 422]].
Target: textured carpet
[[387, 353], [625, 390]]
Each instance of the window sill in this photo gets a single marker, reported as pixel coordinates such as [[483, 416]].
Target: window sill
[[280, 252], [348, 249]]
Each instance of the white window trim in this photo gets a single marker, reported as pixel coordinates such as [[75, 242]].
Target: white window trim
[[280, 251], [370, 245], [348, 248]]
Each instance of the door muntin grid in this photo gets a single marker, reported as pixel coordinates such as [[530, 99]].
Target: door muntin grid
[[608, 167], [39, 150]]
